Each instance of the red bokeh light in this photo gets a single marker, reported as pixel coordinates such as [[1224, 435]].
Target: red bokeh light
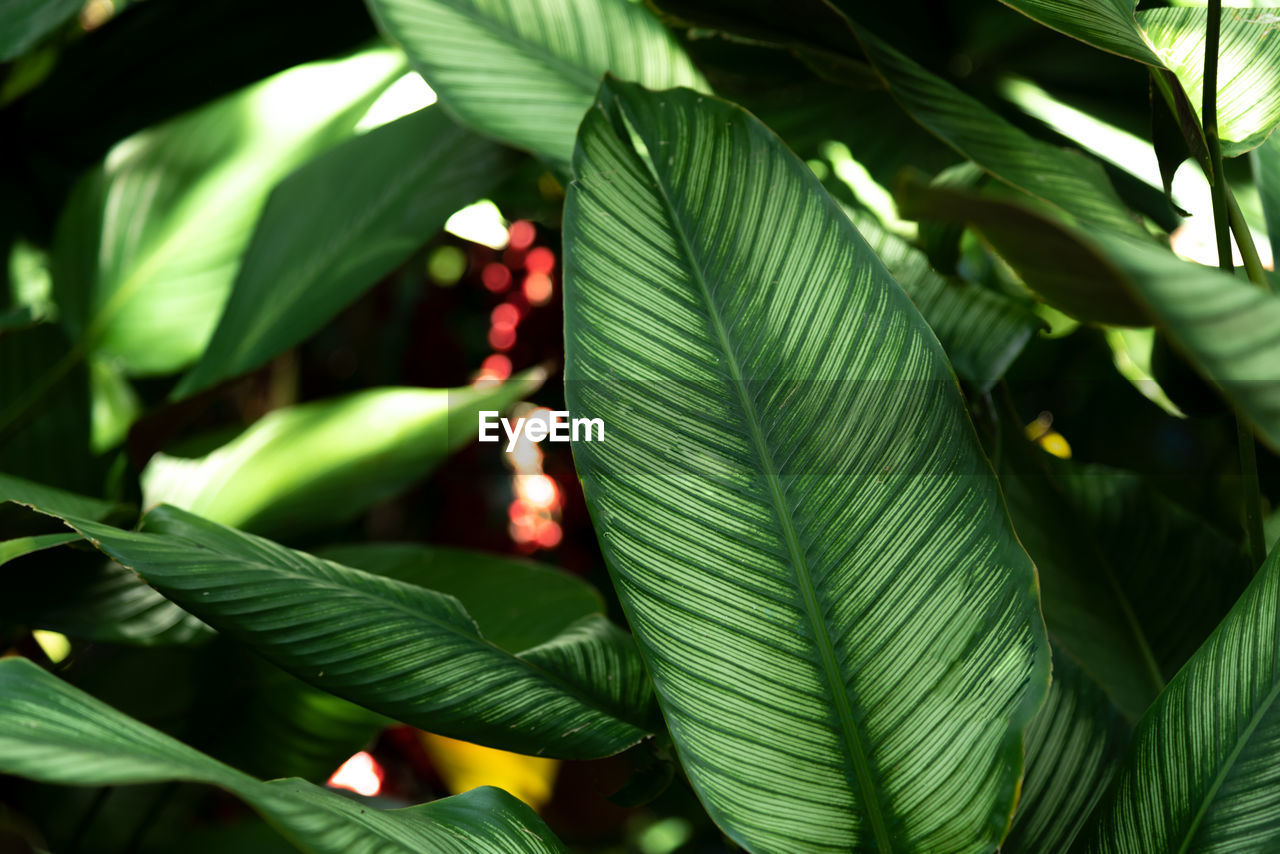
[[521, 234], [502, 337], [496, 277], [537, 288], [496, 366], [540, 260], [505, 315]]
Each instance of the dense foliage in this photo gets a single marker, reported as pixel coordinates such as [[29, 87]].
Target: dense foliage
[[932, 496]]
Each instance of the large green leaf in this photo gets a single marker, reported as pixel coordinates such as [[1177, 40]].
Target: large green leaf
[[410, 653], [525, 73], [802, 528], [517, 604], [149, 244], [1075, 746], [1121, 569], [336, 226], [1202, 773], [1227, 328], [1173, 40], [1266, 169], [24, 22], [308, 466], [54, 733]]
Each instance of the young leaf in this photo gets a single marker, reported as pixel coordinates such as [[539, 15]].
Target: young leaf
[[412, 654], [54, 733], [148, 244], [336, 226], [1266, 170], [803, 530], [525, 73], [316, 464], [1201, 774]]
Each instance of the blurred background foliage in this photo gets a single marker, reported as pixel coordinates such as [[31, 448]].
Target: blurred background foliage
[[144, 142]]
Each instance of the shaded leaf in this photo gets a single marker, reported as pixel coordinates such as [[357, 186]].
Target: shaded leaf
[[525, 73], [840, 624], [54, 733], [24, 22], [336, 226]]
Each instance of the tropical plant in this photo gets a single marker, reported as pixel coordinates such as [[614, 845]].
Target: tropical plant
[[930, 438]]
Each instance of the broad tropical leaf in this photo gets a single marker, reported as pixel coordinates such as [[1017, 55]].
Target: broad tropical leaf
[[1121, 569], [48, 499], [315, 464], [24, 22], [1227, 328], [1202, 774], [805, 535], [525, 73], [54, 733], [1075, 746], [336, 226], [517, 604], [1173, 40], [1266, 170], [404, 651], [149, 244]]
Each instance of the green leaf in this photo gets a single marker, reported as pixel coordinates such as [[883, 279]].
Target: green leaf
[[526, 73], [1227, 328], [1075, 746], [1173, 40], [1201, 774], [316, 464], [840, 624], [21, 546], [981, 330], [339, 224], [24, 22], [517, 604], [1122, 582], [54, 733], [410, 653], [149, 244], [53, 501], [1266, 170], [1067, 180]]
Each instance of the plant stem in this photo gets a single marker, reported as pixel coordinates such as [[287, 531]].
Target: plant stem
[[1251, 497], [1244, 239]]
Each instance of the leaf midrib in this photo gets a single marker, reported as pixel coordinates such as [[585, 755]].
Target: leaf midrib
[[1228, 763], [854, 748]]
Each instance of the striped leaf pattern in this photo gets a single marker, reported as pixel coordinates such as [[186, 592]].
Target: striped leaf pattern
[[1173, 39], [1202, 774], [1266, 173], [798, 519], [525, 73], [404, 651], [1075, 746], [982, 331], [52, 732]]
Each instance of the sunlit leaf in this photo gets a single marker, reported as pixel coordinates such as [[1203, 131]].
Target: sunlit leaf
[[54, 733], [336, 226], [801, 526], [1201, 775], [525, 73], [1173, 40], [307, 466], [149, 244], [409, 653]]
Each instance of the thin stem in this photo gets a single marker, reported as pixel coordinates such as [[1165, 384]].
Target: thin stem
[[1251, 496], [1244, 239]]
